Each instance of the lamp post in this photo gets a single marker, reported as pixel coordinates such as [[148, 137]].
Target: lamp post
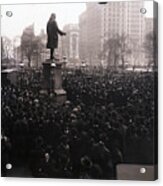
[[21, 65], [64, 62]]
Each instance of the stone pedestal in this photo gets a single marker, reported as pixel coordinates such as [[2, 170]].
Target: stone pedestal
[[46, 76], [52, 80], [58, 90], [58, 79]]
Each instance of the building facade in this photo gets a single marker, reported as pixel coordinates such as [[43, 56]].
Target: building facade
[[90, 33], [70, 44], [102, 22]]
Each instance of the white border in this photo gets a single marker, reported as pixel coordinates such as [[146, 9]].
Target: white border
[[61, 182]]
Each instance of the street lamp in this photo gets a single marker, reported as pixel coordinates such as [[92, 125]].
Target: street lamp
[[21, 65], [64, 61]]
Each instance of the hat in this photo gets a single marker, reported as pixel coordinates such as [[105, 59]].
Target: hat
[[86, 162]]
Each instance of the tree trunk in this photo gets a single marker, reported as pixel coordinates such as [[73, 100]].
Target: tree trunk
[[108, 59], [115, 61], [123, 62], [29, 62]]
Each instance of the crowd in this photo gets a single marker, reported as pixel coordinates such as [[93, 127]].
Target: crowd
[[108, 119]]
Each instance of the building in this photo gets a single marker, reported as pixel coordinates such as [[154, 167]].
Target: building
[[83, 36], [101, 22], [45, 53], [149, 27], [90, 33], [149, 42], [70, 43]]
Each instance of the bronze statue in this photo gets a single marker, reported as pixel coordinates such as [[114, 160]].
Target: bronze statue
[[52, 32]]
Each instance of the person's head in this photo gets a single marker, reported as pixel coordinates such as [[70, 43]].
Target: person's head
[[52, 17]]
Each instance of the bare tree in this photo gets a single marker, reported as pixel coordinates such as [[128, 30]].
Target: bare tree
[[6, 51], [27, 43], [110, 51], [116, 49], [31, 45], [7, 47], [136, 49], [2, 49], [150, 46], [37, 47], [124, 48]]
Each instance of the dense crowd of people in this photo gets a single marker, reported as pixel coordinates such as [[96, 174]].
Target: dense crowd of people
[[107, 119]]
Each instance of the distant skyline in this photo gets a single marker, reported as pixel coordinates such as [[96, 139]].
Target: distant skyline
[[38, 14]]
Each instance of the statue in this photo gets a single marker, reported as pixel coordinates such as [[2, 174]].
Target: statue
[[52, 72], [52, 32]]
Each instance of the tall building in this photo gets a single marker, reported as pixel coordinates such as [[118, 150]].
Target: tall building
[[101, 22], [90, 33], [70, 43], [149, 27], [83, 36], [136, 32]]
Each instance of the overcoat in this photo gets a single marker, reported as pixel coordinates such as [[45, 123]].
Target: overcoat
[[52, 33]]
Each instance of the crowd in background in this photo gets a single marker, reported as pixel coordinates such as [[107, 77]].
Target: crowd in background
[[107, 119]]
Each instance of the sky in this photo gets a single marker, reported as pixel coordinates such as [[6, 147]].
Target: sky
[[25, 15]]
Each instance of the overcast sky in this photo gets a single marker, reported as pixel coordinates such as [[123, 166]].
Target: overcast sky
[[25, 15]]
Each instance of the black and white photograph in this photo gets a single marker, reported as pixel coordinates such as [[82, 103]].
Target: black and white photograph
[[79, 90]]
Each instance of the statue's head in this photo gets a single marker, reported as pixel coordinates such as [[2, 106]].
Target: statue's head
[[52, 17]]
